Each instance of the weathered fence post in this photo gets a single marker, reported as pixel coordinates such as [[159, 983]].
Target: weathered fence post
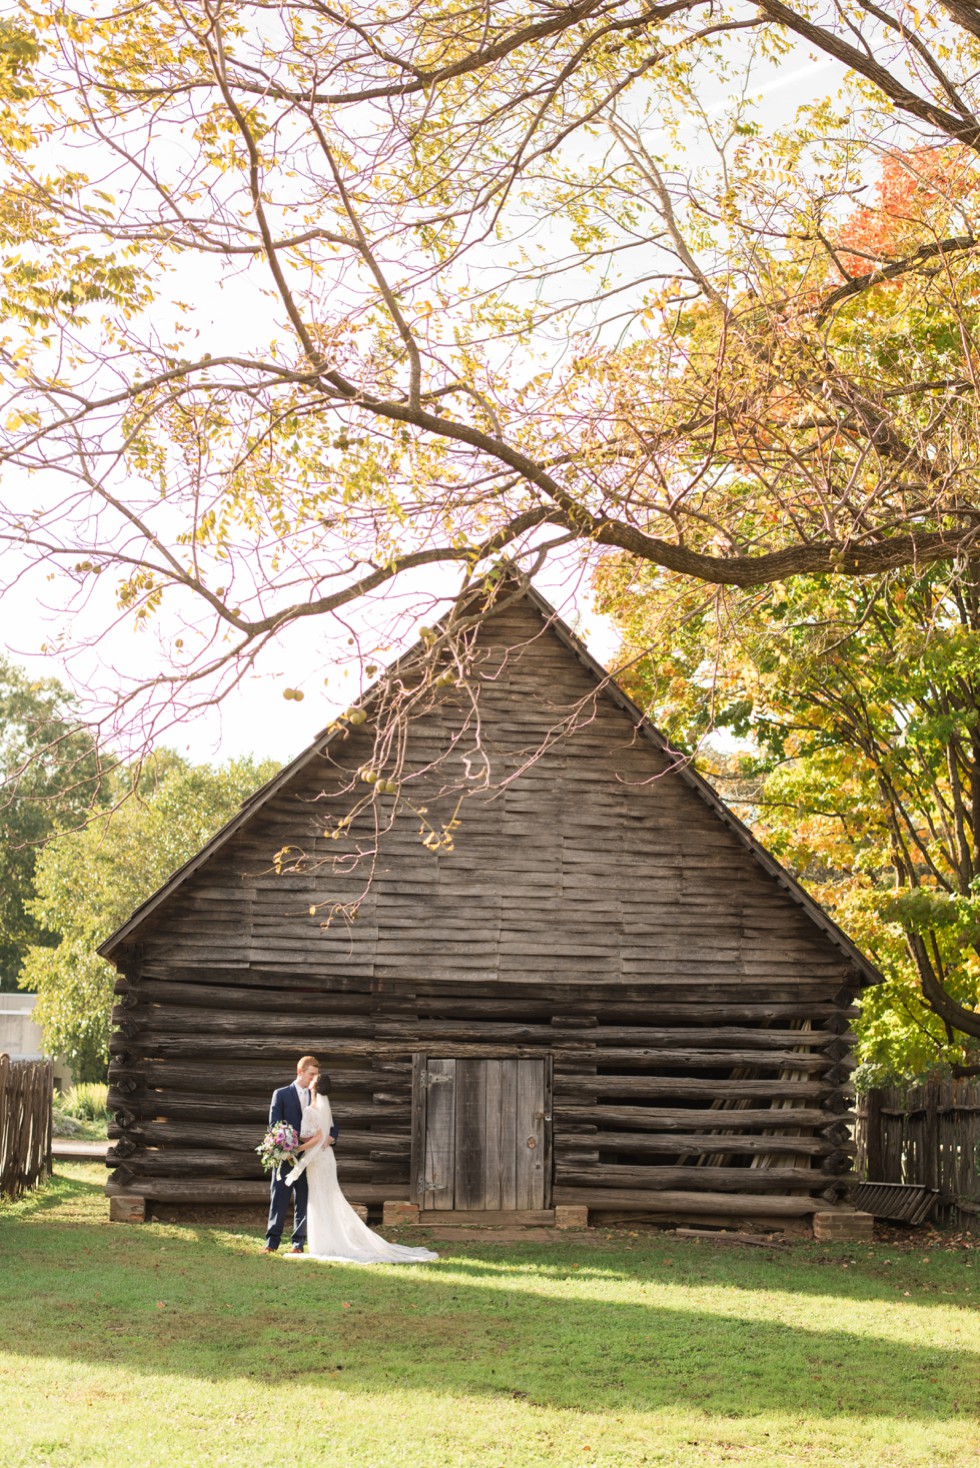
[[26, 1089], [5, 1110], [861, 1136]]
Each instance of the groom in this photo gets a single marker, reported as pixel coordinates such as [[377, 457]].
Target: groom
[[287, 1105]]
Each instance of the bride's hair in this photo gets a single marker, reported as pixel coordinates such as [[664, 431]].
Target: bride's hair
[[321, 1083]]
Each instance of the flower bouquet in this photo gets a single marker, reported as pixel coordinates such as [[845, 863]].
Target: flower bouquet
[[279, 1145]]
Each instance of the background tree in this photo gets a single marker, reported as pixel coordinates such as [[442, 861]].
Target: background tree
[[49, 779], [89, 880], [860, 711], [482, 296], [861, 700]]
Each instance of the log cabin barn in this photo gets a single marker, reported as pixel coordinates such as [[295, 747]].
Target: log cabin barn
[[583, 987]]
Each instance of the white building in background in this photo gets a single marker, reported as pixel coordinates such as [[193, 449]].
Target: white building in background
[[21, 1038]]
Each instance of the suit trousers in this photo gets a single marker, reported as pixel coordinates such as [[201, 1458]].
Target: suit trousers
[[279, 1195]]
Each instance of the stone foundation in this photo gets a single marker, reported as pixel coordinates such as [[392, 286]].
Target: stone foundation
[[569, 1215], [399, 1213], [127, 1208]]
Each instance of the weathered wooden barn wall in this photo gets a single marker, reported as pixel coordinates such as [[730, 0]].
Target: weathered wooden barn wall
[[598, 911]]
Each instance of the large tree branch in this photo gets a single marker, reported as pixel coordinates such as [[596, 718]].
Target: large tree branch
[[868, 556], [965, 13], [939, 249], [423, 80], [967, 1021], [963, 130]]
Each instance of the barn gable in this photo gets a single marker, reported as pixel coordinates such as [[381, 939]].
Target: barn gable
[[601, 915], [543, 688]]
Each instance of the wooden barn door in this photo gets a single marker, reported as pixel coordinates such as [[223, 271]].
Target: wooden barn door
[[482, 1134]]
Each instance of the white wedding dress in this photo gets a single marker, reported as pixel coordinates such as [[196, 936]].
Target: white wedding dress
[[333, 1229]]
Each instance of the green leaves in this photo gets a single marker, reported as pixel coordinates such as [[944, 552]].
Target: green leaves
[[858, 709], [20, 50], [925, 910], [88, 881], [49, 778]]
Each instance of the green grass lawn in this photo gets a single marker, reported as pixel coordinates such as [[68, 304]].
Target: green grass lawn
[[163, 1345]]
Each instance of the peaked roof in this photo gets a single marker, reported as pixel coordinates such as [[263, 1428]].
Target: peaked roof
[[681, 766]]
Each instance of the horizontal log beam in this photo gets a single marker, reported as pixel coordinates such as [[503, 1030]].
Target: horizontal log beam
[[197, 1163], [246, 1080], [232, 1190], [774, 1180], [678, 1118], [518, 996], [243, 1137], [260, 998], [673, 1202], [693, 1179], [421, 1032], [685, 1145], [303, 1030], [338, 1048], [618, 1009], [571, 1085], [205, 1045], [685, 1059], [159, 1022]]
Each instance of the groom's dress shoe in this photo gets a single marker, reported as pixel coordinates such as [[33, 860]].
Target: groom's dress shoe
[[268, 1249], [296, 1249]]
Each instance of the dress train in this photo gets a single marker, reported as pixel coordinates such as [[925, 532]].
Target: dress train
[[334, 1230]]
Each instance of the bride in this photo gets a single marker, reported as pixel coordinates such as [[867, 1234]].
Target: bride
[[334, 1230]]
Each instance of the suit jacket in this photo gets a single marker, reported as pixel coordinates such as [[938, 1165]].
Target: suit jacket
[[286, 1106]]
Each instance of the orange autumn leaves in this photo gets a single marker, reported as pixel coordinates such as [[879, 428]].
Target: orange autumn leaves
[[922, 197]]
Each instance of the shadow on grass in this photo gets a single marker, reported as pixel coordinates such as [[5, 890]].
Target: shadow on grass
[[53, 1194], [852, 1275], [204, 1304], [806, 1268]]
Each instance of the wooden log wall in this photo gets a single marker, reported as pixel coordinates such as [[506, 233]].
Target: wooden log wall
[[596, 911], [928, 1134], [26, 1091], [193, 1069]]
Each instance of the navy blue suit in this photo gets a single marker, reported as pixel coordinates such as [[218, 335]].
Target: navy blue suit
[[286, 1106]]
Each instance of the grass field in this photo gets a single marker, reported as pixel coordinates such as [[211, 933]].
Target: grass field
[[163, 1345]]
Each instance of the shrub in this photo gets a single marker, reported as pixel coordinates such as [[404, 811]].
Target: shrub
[[88, 1101], [65, 1126]]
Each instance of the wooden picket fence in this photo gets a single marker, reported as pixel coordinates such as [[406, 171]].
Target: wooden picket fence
[[26, 1089], [927, 1134]]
